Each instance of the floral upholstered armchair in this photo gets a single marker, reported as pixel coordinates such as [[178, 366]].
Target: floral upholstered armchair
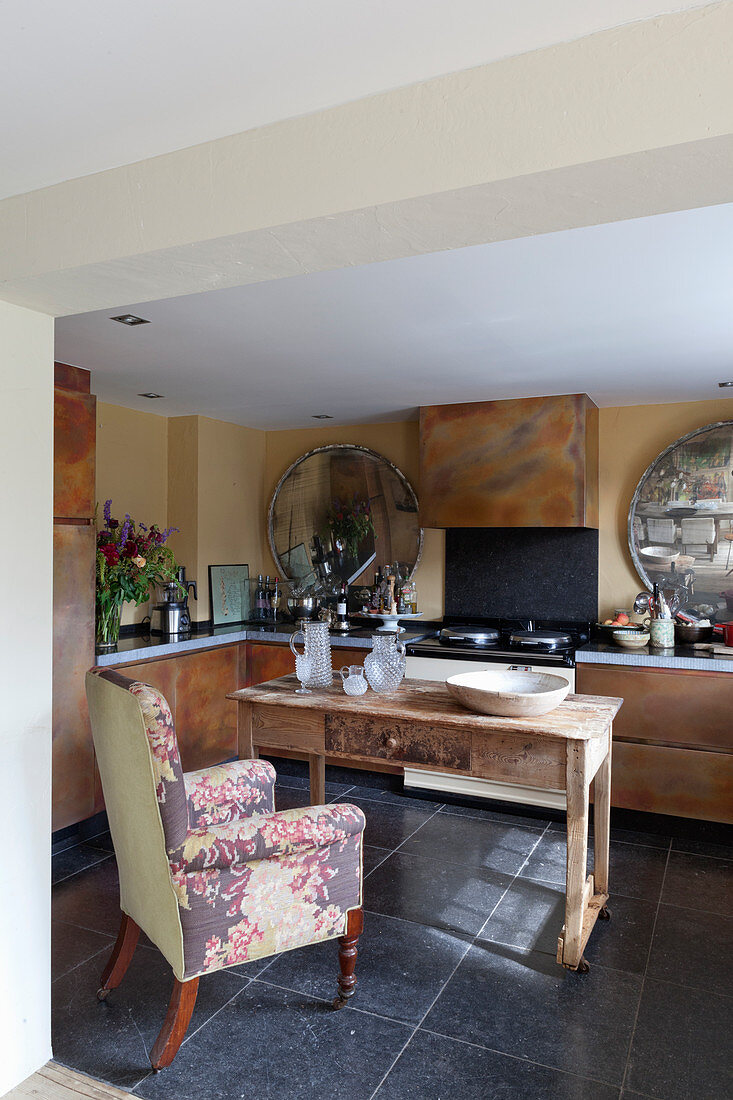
[[210, 872]]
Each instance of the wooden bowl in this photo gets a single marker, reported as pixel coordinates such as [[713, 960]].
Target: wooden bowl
[[509, 694], [658, 555]]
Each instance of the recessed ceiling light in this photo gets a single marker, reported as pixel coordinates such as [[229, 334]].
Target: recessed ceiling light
[[321, 416], [151, 396], [724, 385], [130, 319]]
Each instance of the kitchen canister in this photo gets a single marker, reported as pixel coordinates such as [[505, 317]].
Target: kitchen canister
[[661, 633], [317, 647], [385, 665]]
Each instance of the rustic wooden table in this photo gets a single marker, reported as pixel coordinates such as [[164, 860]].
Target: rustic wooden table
[[421, 725]]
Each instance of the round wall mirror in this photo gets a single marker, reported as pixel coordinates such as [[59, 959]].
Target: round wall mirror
[[681, 519], [338, 513]]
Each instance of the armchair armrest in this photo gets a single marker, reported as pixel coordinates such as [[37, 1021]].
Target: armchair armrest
[[228, 792], [267, 836]]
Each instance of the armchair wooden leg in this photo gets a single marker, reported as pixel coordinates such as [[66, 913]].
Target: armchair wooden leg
[[347, 957], [175, 1025], [120, 958]]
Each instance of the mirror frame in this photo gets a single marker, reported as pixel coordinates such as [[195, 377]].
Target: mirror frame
[[638, 565], [342, 447]]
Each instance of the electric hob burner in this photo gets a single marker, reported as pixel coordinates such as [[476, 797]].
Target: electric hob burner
[[544, 641], [478, 637]]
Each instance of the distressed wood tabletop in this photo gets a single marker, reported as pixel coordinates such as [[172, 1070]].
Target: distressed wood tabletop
[[578, 718]]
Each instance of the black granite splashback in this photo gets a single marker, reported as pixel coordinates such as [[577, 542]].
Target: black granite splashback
[[518, 572]]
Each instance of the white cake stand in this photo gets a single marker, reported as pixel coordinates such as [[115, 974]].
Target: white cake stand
[[390, 623]]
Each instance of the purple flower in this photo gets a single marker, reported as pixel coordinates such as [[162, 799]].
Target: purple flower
[[142, 526], [107, 512], [126, 529]]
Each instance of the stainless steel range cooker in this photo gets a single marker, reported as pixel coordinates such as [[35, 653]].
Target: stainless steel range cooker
[[498, 644]]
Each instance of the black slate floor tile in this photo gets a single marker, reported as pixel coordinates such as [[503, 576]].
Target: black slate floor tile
[[635, 871], [303, 784], [528, 1006], [493, 845], [102, 841], [72, 860], [387, 825], [71, 945], [683, 1044], [699, 882], [111, 1040], [372, 857], [435, 1068], [435, 893], [400, 969], [703, 848], [393, 798], [278, 1045], [625, 836], [90, 899], [534, 821], [693, 948], [531, 915]]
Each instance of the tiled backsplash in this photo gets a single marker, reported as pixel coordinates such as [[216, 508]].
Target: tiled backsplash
[[517, 572]]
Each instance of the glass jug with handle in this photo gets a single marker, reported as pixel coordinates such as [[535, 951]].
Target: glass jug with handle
[[385, 665], [317, 647]]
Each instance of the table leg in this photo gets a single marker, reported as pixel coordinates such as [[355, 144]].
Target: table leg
[[577, 789], [244, 730], [317, 769], [602, 822]]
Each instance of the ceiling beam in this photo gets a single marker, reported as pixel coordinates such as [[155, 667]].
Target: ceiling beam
[[628, 122]]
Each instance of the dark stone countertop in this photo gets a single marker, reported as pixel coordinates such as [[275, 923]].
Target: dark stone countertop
[[680, 656], [143, 647]]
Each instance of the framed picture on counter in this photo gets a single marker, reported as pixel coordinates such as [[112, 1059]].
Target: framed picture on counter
[[229, 596]]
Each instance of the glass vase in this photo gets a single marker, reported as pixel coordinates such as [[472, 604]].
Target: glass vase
[[107, 627]]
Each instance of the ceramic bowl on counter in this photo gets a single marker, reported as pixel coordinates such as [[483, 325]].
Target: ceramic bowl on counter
[[630, 638], [509, 694], [689, 633]]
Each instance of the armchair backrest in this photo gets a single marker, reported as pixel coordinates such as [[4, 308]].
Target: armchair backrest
[[145, 798]]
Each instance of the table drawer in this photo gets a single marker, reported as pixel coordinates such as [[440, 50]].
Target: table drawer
[[287, 728], [516, 758], [385, 739]]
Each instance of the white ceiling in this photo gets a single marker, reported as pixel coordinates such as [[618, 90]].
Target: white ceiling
[[633, 312], [87, 85]]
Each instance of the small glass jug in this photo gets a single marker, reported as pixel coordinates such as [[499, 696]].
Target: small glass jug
[[318, 649], [385, 665], [353, 678]]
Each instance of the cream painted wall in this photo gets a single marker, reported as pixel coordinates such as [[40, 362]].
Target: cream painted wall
[[397, 442], [26, 562], [132, 460], [183, 492], [631, 438], [231, 511], [221, 477]]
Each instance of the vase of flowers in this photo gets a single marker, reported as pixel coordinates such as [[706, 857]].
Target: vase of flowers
[[349, 524], [130, 557]]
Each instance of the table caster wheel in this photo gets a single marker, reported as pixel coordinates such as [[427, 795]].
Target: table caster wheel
[[103, 993], [583, 966], [604, 913], [339, 1002]]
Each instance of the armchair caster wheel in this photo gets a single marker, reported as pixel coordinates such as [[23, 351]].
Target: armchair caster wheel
[[583, 966], [339, 1002], [103, 994], [604, 913]]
